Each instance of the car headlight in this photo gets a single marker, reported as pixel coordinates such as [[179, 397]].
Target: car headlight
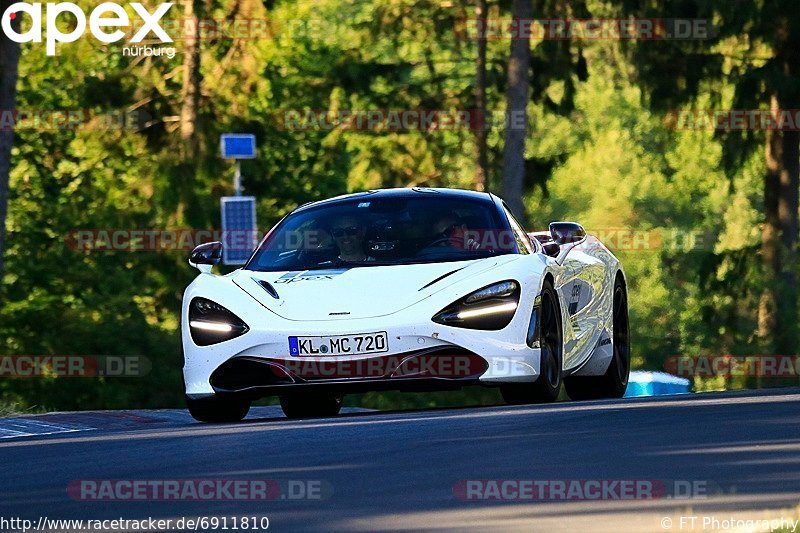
[[210, 323], [490, 308]]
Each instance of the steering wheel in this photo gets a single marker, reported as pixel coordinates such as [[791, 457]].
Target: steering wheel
[[438, 242], [318, 256]]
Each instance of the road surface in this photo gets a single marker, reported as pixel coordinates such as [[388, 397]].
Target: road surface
[[725, 455]]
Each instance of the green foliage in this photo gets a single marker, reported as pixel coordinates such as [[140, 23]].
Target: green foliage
[[597, 154], [693, 270]]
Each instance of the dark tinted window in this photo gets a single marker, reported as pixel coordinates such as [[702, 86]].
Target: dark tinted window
[[372, 231]]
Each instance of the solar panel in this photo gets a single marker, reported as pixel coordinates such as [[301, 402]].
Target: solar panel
[[238, 229]]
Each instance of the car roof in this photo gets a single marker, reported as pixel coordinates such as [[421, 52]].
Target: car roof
[[405, 192]]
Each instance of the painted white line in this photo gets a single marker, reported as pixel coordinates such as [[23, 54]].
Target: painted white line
[[8, 433], [20, 427]]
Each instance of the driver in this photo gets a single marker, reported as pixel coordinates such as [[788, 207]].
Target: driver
[[348, 232], [450, 231]]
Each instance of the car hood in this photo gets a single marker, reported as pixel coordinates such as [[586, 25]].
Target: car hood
[[362, 292]]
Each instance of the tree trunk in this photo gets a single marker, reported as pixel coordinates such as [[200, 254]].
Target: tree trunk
[[9, 62], [777, 313], [190, 93], [517, 118], [187, 164], [481, 125], [786, 327], [770, 231]]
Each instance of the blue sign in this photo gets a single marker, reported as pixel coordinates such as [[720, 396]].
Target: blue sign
[[239, 231], [238, 145]]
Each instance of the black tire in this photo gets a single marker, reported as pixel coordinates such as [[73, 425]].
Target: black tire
[[218, 409], [311, 405], [546, 388], [614, 382]]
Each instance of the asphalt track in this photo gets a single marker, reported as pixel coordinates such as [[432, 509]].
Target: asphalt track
[[389, 471]]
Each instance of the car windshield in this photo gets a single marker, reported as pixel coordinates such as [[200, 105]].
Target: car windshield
[[377, 231]]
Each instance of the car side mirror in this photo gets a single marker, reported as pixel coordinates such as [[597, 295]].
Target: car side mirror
[[206, 256], [551, 249], [567, 232], [545, 239]]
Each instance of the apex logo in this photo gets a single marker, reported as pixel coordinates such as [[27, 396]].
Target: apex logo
[[106, 15]]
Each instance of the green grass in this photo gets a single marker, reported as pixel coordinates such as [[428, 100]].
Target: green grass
[[8, 409]]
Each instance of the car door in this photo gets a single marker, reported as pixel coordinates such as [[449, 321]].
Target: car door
[[586, 307]]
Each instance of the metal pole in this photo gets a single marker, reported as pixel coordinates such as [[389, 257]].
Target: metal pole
[[237, 179]]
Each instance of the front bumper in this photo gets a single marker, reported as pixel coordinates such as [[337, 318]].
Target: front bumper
[[421, 353], [258, 364]]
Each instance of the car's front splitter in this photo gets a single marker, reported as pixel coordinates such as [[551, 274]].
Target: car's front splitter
[[436, 367]]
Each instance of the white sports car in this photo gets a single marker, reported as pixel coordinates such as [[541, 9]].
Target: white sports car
[[404, 289]]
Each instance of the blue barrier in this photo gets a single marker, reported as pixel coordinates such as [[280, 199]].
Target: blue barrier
[[643, 383]]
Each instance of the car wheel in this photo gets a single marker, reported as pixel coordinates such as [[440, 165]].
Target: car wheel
[[218, 409], [614, 382], [546, 388], [311, 405]]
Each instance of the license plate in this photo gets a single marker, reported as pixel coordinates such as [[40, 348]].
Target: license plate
[[356, 344]]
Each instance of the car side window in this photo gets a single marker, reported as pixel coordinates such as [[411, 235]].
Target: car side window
[[523, 243]]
